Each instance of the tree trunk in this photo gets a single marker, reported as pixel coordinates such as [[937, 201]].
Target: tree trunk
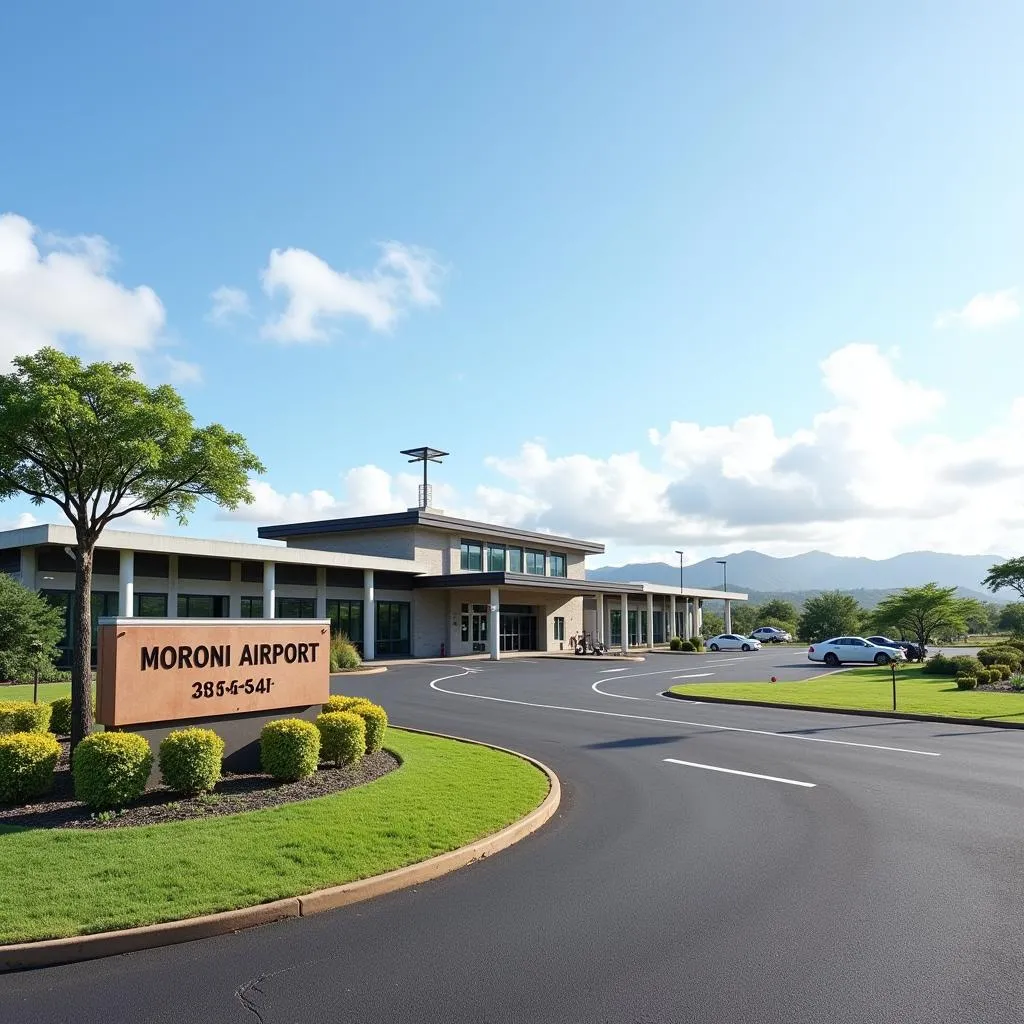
[[81, 666]]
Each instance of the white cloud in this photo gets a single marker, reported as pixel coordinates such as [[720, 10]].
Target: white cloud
[[20, 521], [316, 294], [56, 289], [227, 303], [986, 309]]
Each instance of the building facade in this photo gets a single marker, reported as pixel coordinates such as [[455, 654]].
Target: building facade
[[407, 584]]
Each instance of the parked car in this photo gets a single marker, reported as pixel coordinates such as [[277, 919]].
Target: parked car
[[733, 642], [771, 635], [914, 652], [853, 648]]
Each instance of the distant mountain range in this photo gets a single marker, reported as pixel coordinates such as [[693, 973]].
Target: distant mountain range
[[798, 576]]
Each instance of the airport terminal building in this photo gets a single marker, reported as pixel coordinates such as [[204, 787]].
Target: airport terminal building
[[417, 584]]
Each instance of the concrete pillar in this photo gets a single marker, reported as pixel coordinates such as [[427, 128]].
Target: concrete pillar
[[599, 619], [673, 629], [126, 585], [369, 617], [624, 604], [172, 586], [321, 592], [494, 624], [269, 590], [650, 622], [691, 618], [28, 568], [699, 617], [235, 597], [728, 616]]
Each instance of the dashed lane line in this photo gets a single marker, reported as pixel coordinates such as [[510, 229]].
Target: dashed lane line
[[734, 771]]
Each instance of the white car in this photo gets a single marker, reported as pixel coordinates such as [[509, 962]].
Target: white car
[[733, 642], [853, 648], [771, 635]]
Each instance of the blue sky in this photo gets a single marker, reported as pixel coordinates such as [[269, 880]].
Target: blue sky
[[604, 219]]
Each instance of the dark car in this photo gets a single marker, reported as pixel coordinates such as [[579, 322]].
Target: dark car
[[913, 651]]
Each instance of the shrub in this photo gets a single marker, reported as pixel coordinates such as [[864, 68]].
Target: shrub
[[1004, 671], [964, 664], [190, 760], [698, 643], [343, 653], [1017, 682], [23, 716], [965, 682], [27, 760], [687, 645], [989, 656], [290, 749], [938, 665], [675, 644], [338, 702], [342, 736], [986, 675], [1016, 642], [111, 768], [60, 716], [376, 720]]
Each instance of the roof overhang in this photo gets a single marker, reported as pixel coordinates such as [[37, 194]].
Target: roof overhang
[[574, 587]]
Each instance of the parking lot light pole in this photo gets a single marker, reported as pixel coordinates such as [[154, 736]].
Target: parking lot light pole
[[894, 664], [725, 573], [680, 554]]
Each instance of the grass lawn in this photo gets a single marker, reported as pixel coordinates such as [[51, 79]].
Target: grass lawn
[[47, 691], [58, 882], [871, 689]]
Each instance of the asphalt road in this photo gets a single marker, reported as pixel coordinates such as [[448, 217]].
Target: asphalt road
[[875, 875]]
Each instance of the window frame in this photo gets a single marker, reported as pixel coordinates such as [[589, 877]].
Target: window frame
[[564, 574], [494, 549], [467, 548], [534, 552], [558, 626]]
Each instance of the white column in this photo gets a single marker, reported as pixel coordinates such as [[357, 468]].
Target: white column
[[28, 568], [493, 624], [699, 616], [728, 616], [172, 586], [688, 619], [672, 628], [599, 619], [369, 617], [235, 597], [321, 592], [269, 590], [624, 604], [126, 597], [650, 622]]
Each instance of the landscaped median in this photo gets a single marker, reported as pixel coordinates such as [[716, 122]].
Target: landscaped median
[[445, 794], [870, 689]]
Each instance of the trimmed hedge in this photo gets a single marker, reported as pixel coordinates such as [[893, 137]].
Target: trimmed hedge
[[190, 760], [1005, 671], [342, 736], [675, 644], [23, 716], [989, 656], [965, 682], [336, 702], [343, 653], [376, 719], [27, 761], [60, 716], [688, 645], [290, 749], [111, 769]]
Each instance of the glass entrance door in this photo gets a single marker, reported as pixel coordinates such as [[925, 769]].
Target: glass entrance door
[[518, 628]]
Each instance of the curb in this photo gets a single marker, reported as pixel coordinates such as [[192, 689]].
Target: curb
[[906, 716], [51, 952], [376, 670]]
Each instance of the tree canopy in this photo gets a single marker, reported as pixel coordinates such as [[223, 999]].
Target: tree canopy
[[1012, 618], [830, 614], [925, 612], [778, 609], [30, 628], [1006, 574]]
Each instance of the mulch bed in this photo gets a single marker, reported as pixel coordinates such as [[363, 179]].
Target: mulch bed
[[234, 793]]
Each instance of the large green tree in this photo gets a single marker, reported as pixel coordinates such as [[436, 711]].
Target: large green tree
[[778, 609], [1006, 574], [924, 612], [100, 444], [1012, 618], [30, 629], [829, 614]]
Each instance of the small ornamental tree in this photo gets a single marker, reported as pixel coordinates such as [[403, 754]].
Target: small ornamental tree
[[30, 628], [1006, 574], [830, 614], [100, 444], [923, 612]]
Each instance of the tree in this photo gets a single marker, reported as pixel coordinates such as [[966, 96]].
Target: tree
[[1012, 618], [100, 444], [830, 614], [922, 612], [30, 628], [744, 618], [1006, 574], [778, 609], [711, 624]]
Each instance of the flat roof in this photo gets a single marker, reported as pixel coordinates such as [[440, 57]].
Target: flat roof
[[478, 580], [430, 520]]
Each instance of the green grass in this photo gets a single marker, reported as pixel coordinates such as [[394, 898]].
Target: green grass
[[47, 691], [871, 689], [59, 882]]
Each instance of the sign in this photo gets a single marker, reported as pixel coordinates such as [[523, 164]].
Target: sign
[[167, 670]]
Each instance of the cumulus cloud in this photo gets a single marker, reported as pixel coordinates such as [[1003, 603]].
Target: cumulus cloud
[[56, 289], [316, 295], [986, 309], [227, 304]]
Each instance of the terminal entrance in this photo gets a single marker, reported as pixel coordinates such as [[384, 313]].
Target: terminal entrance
[[518, 628]]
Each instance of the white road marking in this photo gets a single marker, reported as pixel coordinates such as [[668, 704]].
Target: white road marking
[[605, 671], [674, 721], [636, 675], [694, 675], [733, 771]]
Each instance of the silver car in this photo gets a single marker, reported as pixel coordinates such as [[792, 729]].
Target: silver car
[[853, 649]]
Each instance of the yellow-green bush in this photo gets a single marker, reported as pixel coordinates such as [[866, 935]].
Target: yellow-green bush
[[343, 653], [60, 716], [111, 768], [190, 760], [23, 716], [337, 702], [290, 749], [27, 760], [1004, 671], [376, 719], [342, 736]]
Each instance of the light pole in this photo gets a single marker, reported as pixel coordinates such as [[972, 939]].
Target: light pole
[[37, 649], [725, 573], [680, 554]]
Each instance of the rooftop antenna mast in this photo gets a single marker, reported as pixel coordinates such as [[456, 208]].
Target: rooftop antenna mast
[[424, 455]]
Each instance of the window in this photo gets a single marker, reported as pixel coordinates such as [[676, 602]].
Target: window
[[496, 558], [104, 604], [556, 565], [301, 575], [252, 608], [472, 556], [535, 563], [392, 627], [347, 619], [151, 606], [296, 607], [615, 626], [559, 627], [202, 606], [515, 559], [194, 567]]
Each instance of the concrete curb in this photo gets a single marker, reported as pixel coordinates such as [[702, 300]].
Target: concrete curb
[[52, 952], [376, 670], [907, 716]]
